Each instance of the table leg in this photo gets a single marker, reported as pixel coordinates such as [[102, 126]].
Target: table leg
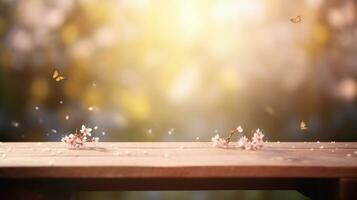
[[348, 189], [321, 189]]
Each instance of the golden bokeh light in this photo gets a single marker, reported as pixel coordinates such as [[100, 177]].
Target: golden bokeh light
[[194, 65]]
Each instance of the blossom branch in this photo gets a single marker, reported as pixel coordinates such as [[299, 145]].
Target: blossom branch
[[223, 143], [79, 138], [231, 133], [255, 143]]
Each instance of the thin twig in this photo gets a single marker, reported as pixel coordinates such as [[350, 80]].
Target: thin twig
[[76, 133], [231, 133]]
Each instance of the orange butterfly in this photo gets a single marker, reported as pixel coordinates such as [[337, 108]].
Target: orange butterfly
[[303, 126], [56, 76], [297, 19]]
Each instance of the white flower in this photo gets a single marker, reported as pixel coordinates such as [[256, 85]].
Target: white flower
[[219, 142], [239, 129], [255, 143], [258, 134], [215, 138], [64, 139], [86, 131], [247, 146], [242, 141]]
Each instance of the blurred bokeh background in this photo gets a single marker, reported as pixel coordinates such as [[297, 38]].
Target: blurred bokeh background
[[173, 70]]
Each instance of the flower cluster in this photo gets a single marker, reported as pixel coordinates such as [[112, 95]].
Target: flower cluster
[[255, 143], [78, 139]]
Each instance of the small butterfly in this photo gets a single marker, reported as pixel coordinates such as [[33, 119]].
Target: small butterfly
[[56, 76], [303, 126], [15, 123], [297, 19]]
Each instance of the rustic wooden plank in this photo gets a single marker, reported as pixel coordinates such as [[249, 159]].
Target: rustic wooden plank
[[102, 184], [178, 160]]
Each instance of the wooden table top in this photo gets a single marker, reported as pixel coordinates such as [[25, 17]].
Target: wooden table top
[[177, 160]]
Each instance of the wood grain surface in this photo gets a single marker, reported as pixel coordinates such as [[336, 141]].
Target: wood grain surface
[[177, 160]]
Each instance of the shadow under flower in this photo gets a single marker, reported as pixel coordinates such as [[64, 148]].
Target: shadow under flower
[[100, 149]]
